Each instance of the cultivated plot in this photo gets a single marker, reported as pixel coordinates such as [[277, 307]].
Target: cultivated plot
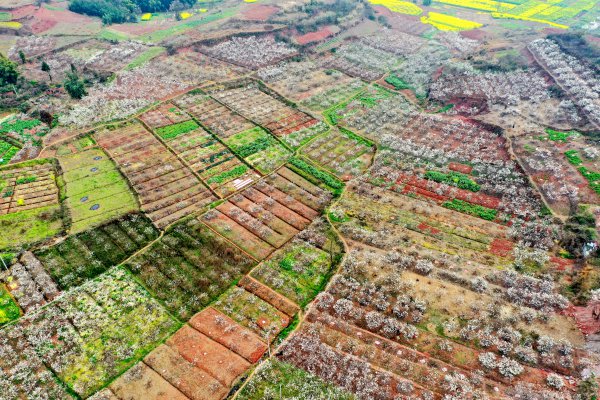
[[95, 190], [167, 189]]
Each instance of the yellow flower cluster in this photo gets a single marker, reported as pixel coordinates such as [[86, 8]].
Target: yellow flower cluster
[[146, 17]]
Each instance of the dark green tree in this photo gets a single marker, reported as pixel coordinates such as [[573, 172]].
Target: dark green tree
[[8, 71], [46, 69], [426, 2], [579, 230], [75, 86], [46, 117], [22, 57], [588, 389]]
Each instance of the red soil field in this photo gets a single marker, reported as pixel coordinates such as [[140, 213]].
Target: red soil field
[[259, 12], [192, 381], [208, 355], [44, 19], [584, 317], [475, 34], [501, 247], [462, 168], [229, 333], [424, 227], [316, 36]]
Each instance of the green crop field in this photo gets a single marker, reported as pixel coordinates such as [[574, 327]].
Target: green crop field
[[95, 190]]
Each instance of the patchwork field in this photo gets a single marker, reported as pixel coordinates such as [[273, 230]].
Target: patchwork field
[[342, 152], [259, 149], [264, 217], [166, 188], [29, 207], [214, 116], [291, 125], [304, 200], [217, 166]]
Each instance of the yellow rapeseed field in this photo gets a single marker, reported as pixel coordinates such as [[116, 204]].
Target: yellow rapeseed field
[[402, 7], [483, 5], [445, 22], [11, 25]]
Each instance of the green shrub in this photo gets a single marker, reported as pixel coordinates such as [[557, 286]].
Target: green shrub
[[573, 157]]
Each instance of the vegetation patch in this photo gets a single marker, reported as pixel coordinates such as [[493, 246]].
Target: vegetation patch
[[87, 254], [557, 136], [91, 178], [9, 310], [279, 378], [189, 268], [299, 271], [98, 331], [313, 174], [472, 209], [30, 226], [172, 131], [455, 179]]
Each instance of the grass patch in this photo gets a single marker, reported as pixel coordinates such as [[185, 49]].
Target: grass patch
[[557, 136], [228, 175], [30, 226], [573, 157], [145, 57], [299, 272], [95, 190], [182, 27], [397, 82]]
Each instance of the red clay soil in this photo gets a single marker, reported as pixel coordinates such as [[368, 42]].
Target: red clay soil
[[562, 264], [229, 333], [44, 19], [208, 355], [426, 228], [192, 381], [585, 317], [501, 247], [259, 12], [475, 34], [462, 168], [316, 36], [406, 23]]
